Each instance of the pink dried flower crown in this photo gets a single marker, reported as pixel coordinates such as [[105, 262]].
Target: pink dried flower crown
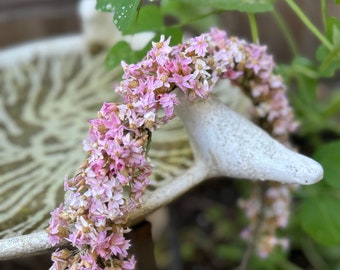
[[111, 182]]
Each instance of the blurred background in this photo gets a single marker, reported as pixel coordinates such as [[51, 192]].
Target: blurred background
[[25, 20]]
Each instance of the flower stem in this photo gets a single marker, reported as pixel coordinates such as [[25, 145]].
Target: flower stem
[[285, 30], [253, 27], [309, 24], [324, 14], [261, 188], [313, 255]]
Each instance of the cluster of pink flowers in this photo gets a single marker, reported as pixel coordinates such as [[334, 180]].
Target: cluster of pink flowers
[[111, 182], [267, 211]]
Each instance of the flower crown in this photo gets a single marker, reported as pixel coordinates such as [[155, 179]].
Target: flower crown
[[113, 179]]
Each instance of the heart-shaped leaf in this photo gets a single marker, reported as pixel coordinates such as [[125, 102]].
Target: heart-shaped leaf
[[320, 218]]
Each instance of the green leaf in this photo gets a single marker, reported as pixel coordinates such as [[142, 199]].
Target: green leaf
[[329, 157], [149, 19], [119, 52], [200, 17], [228, 253], [332, 107], [320, 219], [336, 36], [106, 5], [331, 22], [304, 71], [251, 6], [175, 33], [330, 61], [122, 51], [125, 11]]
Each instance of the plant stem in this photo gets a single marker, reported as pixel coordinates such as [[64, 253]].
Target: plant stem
[[285, 30], [256, 232], [330, 57], [306, 71], [253, 27], [313, 255], [324, 14], [309, 24]]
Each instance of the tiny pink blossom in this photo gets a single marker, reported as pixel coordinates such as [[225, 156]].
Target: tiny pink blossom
[[219, 37], [129, 264], [199, 45], [168, 101], [183, 82]]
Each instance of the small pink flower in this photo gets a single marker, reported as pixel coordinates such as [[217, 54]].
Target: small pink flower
[[57, 226], [199, 45], [219, 37], [183, 82], [129, 264], [162, 45], [254, 62], [201, 70], [168, 101], [118, 244], [88, 261], [160, 51], [131, 70]]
